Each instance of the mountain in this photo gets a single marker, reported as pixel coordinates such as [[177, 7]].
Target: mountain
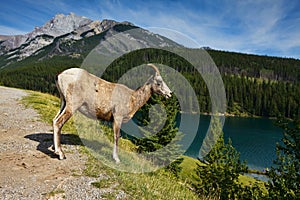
[[65, 30], [71, 26], [57, 26]]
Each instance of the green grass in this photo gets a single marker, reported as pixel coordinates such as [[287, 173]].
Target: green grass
[[188, 173], [159, 184], [250, 181], [47, 106], [153, 185]]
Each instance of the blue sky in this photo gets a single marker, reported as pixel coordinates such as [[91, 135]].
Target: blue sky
[[264, 27]]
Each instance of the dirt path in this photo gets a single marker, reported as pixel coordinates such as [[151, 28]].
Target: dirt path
[[28, 169]]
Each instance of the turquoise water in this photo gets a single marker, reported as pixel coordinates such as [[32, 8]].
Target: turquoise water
[[254, 138]]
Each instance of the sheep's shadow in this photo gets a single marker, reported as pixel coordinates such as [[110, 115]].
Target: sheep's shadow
[[45, 141]]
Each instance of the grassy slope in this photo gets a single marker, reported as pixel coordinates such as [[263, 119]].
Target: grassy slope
[[155, 185], [188, 173]]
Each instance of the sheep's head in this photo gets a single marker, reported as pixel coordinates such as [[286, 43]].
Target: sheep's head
[[158, 85]]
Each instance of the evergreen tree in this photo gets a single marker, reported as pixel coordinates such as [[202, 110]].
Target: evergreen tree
[[219, 176], [285, 177], [163, 132]]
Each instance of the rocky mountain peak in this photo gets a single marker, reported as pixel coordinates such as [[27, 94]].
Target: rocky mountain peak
[[62, 31], [61, 24], [75, 26]]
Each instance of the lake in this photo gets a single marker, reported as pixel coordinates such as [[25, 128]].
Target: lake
[[254, 138]]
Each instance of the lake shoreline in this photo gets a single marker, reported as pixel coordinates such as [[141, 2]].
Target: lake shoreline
[[254, 138], [226, 114]]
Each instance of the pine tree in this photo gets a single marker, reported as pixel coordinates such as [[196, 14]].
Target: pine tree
[[163, 133], [218, 177], [285, 177]]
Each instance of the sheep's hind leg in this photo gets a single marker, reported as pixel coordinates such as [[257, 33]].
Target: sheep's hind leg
[[58, 123]]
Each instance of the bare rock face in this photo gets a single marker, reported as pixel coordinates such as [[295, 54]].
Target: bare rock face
[[62, 24], [59, 25], [4, 37], [93, 28], [75, 26], [64, 30], [11, 42]]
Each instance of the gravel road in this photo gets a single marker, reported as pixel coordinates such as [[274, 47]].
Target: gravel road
[[28, 168]]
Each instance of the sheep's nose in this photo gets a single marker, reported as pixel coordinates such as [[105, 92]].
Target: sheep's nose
[[168, 95]]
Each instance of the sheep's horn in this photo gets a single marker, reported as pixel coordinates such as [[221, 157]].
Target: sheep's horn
[[154, 67]]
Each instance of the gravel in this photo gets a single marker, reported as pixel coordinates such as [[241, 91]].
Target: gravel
[[28, 167]]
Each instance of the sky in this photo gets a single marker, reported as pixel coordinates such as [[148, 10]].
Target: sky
[[263, 27]]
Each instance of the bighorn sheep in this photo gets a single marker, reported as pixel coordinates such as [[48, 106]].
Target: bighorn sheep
[[97, 98]]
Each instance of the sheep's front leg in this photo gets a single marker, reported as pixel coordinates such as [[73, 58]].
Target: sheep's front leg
[[116, 127]]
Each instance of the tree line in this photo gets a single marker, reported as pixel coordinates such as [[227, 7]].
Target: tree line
[[247, 94], [273, 68], [259, 89]]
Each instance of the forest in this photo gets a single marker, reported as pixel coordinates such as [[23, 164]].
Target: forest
[[254, 85]]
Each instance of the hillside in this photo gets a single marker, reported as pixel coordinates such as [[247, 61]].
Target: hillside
[[30, 170]]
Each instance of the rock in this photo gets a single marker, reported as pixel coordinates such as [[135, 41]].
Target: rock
[[71, 26]]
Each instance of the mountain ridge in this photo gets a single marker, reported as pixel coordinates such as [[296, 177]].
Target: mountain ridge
[[63, 31], [77, 27]]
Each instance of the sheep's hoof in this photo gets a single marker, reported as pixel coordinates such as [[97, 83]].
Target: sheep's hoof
[[117, 160], [61, 155]]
